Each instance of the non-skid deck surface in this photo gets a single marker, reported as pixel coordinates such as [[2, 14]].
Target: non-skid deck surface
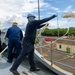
[[4, 68]]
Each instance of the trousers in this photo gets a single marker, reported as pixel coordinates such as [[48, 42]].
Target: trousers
[[14, 45], [0, 45], [27, 49]]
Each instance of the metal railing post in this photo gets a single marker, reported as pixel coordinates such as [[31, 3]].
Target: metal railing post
[[40, 45], [51, 53]]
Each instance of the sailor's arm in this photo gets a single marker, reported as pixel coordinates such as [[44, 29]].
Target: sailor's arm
[[40, 26], [46, 19]]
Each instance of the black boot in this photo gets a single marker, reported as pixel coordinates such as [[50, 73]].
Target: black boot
[[35, 69], [15, 72], [9, 61]]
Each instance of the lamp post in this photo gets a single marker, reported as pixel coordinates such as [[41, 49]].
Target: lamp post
[[58, 25], [40, 38], [38, 10]]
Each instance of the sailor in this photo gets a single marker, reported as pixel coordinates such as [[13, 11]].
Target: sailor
[[14, 35], [28, 43]]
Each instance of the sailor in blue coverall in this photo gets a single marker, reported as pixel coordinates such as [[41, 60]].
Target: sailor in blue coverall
[[0, 42], [14, 35], [28, 43]]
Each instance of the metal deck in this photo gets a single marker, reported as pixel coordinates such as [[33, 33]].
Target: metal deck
[[4, 68]]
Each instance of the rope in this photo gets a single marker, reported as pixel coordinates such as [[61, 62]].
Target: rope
[[57, 38], [64, 34], [42, 30]]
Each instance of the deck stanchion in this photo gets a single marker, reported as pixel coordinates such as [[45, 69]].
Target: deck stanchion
[[40, 45], [51, 52]]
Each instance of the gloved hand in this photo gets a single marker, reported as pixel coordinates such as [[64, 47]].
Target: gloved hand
[[53, 16], [47, 24]]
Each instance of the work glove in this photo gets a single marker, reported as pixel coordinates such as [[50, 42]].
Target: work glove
[[53, 16], [47, 24]]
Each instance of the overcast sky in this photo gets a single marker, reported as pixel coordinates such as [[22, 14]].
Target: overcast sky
[[17, 10]]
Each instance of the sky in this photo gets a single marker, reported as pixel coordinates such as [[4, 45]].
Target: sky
[[17, 10]]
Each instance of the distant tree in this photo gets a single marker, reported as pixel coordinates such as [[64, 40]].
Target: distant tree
[[62, 31]]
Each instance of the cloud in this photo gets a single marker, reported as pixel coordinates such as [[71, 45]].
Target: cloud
[[54, 23], [51, 7], [55, 9], [50, 13], [68, 9], [10, 7], [17, 10], [72, 0], [73, 11], [63, 23], [7, 21]]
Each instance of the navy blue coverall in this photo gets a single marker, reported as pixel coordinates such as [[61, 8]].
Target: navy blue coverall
[[28, 42], [0, 42], [14, 35]]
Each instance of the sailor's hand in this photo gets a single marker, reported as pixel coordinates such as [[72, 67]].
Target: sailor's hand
[[46, 24], [53, 16]]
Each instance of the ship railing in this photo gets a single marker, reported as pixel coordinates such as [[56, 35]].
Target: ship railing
[[55, 53]]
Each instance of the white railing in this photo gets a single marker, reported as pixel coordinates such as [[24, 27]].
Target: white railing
[[64, 60]]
